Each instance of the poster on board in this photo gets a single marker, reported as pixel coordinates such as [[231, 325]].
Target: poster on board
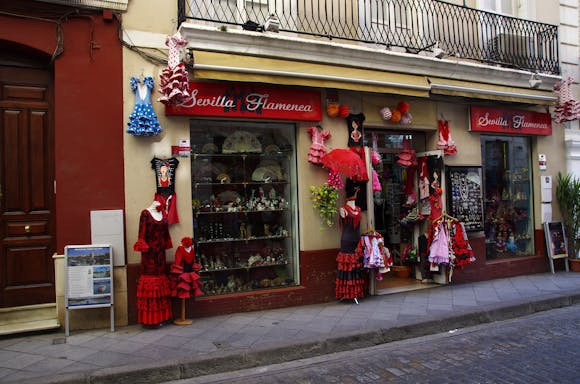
[[556, 239], [465, 196], [88, 276]]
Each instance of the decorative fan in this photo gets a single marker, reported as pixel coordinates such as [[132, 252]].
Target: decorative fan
[[241, 142]]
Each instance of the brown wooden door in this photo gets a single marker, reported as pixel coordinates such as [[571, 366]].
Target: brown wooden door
[[27, 230]]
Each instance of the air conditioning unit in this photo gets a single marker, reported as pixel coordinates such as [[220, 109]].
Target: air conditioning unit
[[512, 49]]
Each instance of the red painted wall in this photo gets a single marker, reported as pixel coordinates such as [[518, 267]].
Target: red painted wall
[[88, 116]]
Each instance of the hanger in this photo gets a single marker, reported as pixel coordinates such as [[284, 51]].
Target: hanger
[[444, 214], [370, 231]]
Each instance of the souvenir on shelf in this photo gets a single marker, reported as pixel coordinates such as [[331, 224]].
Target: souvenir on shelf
[[243, 221]]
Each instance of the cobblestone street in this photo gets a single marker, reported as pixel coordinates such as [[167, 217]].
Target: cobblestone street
[[541, 348]]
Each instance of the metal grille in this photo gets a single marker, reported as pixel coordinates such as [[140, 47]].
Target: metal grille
[[413, 25]]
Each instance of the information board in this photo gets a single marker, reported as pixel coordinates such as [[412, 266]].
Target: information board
[[89, 276], [465, 196]]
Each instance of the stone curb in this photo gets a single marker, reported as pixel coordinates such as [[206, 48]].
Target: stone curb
[[227, 361]]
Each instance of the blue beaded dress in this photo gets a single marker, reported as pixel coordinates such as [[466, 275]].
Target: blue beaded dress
[[143, 120]]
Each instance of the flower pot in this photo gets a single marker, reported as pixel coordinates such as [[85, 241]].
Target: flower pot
[[574, 265], [403, 271]]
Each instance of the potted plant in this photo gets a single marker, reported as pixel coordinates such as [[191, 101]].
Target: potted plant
[[404, 261], [324, 199], [568, 197]]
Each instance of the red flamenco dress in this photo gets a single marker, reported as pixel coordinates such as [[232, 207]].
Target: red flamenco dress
[[349, 279], [153, 289], [185, 282]]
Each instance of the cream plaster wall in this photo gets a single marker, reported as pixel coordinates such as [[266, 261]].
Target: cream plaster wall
[[139, 176], [150, 16]]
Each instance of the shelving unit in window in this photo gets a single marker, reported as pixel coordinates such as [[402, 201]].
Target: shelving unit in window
[[243, 222]]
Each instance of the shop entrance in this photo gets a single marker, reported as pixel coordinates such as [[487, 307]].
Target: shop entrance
[[399, 213], [27, 233]]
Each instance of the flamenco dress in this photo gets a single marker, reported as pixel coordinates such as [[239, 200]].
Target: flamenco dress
[[317, 148], [153, 288], [165, 191], [349, 279], [173, 80], [143, 120], [185, 282]]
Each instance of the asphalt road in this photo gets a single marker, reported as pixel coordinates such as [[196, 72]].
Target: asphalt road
[[541, 348]]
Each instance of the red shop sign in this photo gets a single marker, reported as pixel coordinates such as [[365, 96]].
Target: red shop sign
[[504, 120], [250, 101]]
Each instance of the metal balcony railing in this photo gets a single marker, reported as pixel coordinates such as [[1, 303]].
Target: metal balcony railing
[[415, 25]]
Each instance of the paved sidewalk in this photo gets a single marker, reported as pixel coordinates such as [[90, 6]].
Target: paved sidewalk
[[224, 343]]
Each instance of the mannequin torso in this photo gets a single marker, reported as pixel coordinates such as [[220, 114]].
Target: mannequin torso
[[157, 215]]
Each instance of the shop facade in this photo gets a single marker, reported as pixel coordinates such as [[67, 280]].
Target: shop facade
[[240, 169], [260, 242]]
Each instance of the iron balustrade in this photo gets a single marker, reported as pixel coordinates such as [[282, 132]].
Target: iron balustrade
[[412, 25]]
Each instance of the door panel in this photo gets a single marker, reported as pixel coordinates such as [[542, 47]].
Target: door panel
[[27, 240]]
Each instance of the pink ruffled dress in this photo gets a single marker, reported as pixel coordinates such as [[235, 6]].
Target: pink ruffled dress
[[317, 148]]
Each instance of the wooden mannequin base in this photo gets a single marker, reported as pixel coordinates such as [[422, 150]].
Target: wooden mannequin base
[[182, 322]]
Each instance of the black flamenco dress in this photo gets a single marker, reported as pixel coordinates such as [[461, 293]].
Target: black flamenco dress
[[349, 279], [153, 289]]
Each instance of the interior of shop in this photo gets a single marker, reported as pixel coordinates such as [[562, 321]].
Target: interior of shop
[[398, 213]]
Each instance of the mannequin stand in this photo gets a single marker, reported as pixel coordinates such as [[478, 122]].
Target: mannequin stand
[[182, 320]]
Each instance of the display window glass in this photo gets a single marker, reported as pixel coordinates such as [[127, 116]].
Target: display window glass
[[244, 211], [508, 196]]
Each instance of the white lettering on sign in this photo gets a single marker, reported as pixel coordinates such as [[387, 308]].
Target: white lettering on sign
[[219, 101], [256, 100], [520, 122], [484, 121]]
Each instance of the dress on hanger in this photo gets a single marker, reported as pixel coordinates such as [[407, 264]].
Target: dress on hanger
[[317, 148], [173, 80], [355, 129], [445, 142], [153, 288], [165, 186], [349, 279], [143, 120]]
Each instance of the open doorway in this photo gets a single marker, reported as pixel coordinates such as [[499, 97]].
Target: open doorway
[[399, 211]]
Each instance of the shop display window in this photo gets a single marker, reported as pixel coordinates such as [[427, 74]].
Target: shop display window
[[244, 210], [508, 200]]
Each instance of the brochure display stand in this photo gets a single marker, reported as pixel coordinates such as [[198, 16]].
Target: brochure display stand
[[88, 279]]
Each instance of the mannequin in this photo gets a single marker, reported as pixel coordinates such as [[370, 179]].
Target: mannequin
[[185, 282], [153, 289], [349, 279], [155, 213]]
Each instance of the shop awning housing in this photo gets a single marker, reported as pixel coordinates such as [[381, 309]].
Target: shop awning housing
[[232, 67], [490, 91]]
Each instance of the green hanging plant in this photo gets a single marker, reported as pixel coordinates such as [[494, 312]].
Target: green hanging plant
[[324, 199]]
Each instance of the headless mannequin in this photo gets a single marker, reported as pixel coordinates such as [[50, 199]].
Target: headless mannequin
[[157, 215], [350, 203]]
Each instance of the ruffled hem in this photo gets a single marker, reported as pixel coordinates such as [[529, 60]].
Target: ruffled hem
[[153, 311], [174, 86], [348, 261], [349, 289], [153, 303], [186, 285], [439, 260], [140, 246], [153, 287]]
